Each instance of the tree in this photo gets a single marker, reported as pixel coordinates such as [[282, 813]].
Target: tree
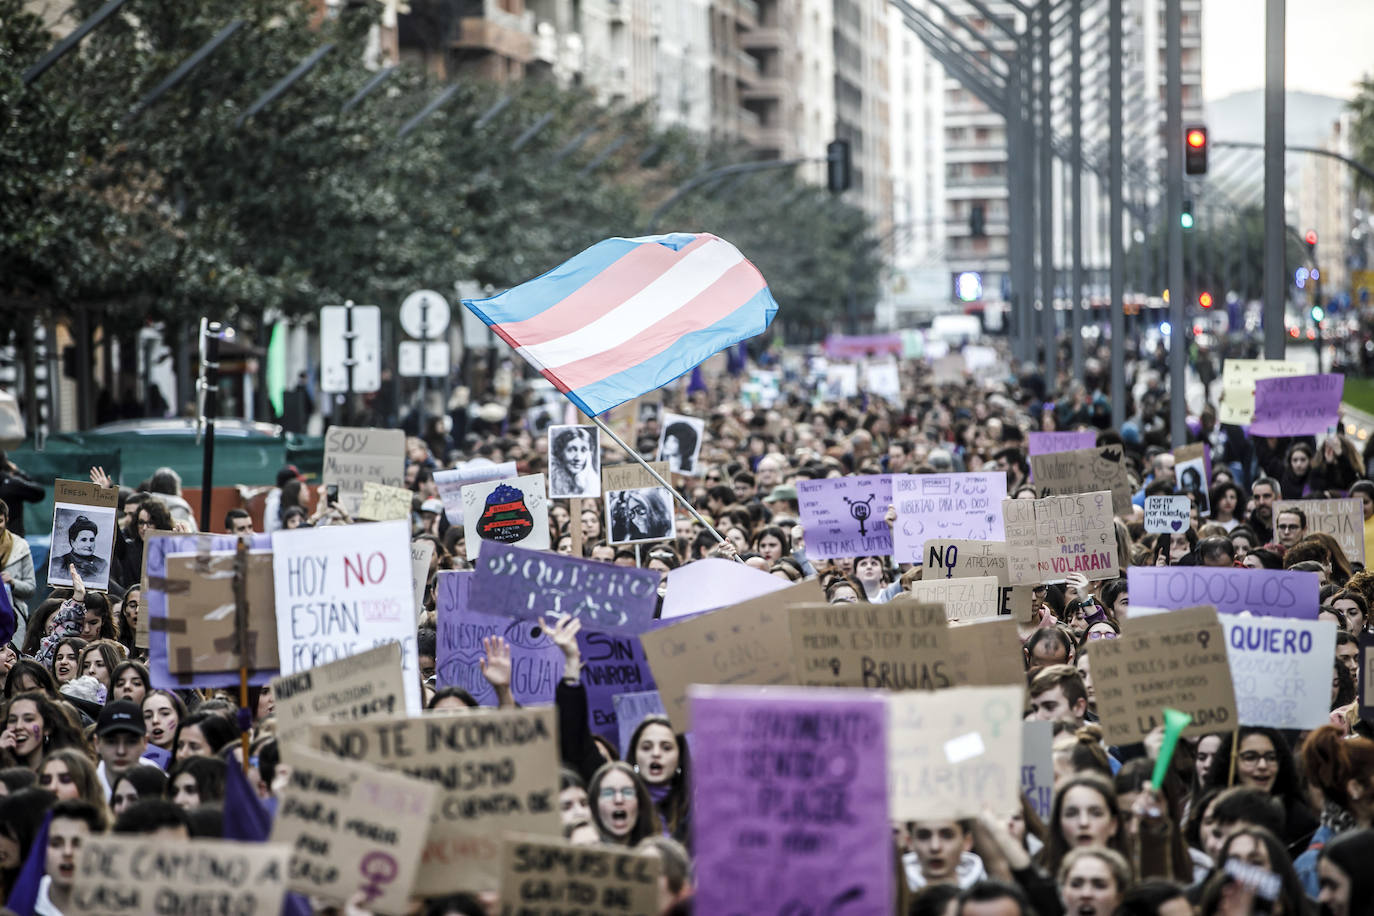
[[1362, 131]]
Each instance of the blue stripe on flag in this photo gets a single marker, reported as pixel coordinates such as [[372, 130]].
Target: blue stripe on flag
[[534, 296], [688, 351]]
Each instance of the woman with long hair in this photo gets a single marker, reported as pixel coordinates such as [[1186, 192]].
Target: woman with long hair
[[196, 781], [622, 808], [1265, 762], [162, 715], [1336, 465], [70, 774], [27, 676], [1340, 772], [139, 781], [202, 734], [660, 757], [873, 576], [1085, 813], [1227, 500], [99, 660], [130, 681], [36, 725], [1254, 846], [22, 814], [128, 617]]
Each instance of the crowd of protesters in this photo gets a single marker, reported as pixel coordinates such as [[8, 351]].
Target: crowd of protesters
[[89, 739]]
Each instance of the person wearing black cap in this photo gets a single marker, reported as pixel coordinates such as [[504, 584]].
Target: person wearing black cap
[[120, 740]]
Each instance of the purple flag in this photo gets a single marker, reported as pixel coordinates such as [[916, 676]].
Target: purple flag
[[1263, 592], [1297, 405], [789, 801], [9, 622], [25, 891]]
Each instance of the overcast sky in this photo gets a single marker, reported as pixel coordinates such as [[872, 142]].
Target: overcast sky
[[1330, 44]]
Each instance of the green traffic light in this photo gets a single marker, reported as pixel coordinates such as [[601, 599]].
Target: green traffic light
[[1186, 220], [1318, 313]]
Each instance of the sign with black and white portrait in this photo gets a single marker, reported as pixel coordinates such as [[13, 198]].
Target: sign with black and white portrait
[[679, 443], [83, 533], [637, 516], [574, 461]]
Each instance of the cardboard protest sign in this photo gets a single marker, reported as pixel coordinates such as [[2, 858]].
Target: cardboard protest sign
[[497, 769], [157, 593], [1365, 678], [353, 827], [1167, 514], [511, 511], [123, 874], [83, 533], [1238, 377], [679, 443], [1193, 473], [515, 582], [1175, 660], [956, 558], [1049, 443], [945, 506], [1281, 670], [953, 753], [340, 592], [986, 652], [714, 582], [843, 516], [545, 877], [1299, 405], [1037, 766], [368, 684], [1087, 470], [947, 368], [806, 829], [632, 476], [574, 461], [630, 710], [421, 556], [963, 599], [1049, 538], [356, 455], [741, 644], [1343, 519], [381, 503], [451, 482], [1264, 592], [200, 628]]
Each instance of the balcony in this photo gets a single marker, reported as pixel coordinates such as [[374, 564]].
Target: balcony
[[769, 38], [749, 66], [496, 31], [746, 13], [764, 88]]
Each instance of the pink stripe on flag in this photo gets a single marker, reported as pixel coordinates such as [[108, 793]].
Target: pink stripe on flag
[[734, 288], [603, 292]]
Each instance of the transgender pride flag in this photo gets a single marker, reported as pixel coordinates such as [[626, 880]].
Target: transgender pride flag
[[628, 315]]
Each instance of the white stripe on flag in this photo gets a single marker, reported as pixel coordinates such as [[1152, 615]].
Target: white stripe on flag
[[663, 296]]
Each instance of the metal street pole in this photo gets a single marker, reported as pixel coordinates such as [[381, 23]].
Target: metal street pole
[[1115, 223], [1173, 139], [1076, 170], [1047, 202], [1274, 271]]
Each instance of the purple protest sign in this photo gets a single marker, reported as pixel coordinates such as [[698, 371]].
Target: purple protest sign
[[789, 801], [843, 516], [155, 606], [1297, 405], [1262, 592], [515, 582], [841, 346], [1048, 443]]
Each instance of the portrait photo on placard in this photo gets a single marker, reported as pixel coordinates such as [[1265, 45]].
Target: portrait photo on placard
[[1191, 480], [640, 515], [574, 461], [539, 417], [82, 536], [679, 443]]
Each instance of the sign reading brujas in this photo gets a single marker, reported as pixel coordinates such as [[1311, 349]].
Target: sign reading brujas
[[514, 582], [1262, 592]]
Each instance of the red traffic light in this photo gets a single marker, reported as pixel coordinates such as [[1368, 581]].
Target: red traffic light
[[1197, 138], [1311, 237], [1195, 150], [1204, 300]]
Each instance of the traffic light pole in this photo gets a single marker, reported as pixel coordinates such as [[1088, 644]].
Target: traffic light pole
[[1173, 139], [1047, 316], [1115, 227], [1275, 273], [1075, 296]]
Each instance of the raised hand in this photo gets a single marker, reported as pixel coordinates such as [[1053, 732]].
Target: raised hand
[[78, 586], [100, 478], [564, 636], [496, 663]]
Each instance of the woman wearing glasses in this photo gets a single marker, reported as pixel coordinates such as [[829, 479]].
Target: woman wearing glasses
[[622, 809], [1264, 761]]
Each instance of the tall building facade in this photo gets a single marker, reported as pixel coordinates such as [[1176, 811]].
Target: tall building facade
[[862, 111]]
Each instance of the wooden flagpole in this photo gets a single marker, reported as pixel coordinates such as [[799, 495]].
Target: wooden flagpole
[[241, 636]]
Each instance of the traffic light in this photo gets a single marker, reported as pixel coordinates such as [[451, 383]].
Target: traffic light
[[838, 166], [1204, 299], [1186, 218], [1195, 150], [1310, 239], [1318, 313]]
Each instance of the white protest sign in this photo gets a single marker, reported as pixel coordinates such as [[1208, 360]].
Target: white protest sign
[[343, 589], [1281, 669], [1238, 377], [451, 482], [713, 582], [511, 511], [1167, 514], [931, 506]]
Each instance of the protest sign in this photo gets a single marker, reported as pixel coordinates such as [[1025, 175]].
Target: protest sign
[[353, 827], [843, 516], [370, 683], [630, 710], [1238, 377], [451, 482], [498, 770], [963, 599], [1037, 766], [83, 533], [1365, 677], [1343, 519], [882, 379], [789, 802], [632, 476], [574, 464], [156, 594], [340, 592], [1087, 470], [515, 582], [1265, 592], [510, 511], [1049, 538], [945, 506], [123, 874], [946, 368], [1049, 443], [200, 621], [381, 503], [545, 877], [1167, 514], [1281, 670], [679, 443], [741, 644], [955, 558], [1175, 660], [954, 753], [1192, 473], [356, 455], [1299, 405], [985, 652], [714, 582], [421, 556]]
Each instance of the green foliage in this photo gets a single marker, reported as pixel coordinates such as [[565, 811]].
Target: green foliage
[[1223, 252], [1362, 133], [178, 211]]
